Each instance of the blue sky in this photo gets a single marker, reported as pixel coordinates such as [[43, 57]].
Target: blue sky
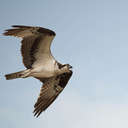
[[91, 36]]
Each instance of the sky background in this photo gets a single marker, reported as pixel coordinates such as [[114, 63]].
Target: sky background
[[92, 35]]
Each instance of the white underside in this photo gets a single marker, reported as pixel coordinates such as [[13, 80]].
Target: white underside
[[44, 69], [44, 66]]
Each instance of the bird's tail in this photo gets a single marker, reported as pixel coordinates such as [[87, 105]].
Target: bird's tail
[[20, 74]]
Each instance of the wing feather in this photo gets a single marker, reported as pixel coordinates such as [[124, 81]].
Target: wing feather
[[35, 44], [49, 92], [26, 47]]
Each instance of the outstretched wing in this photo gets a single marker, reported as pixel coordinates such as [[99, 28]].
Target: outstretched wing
[[36, 42], [50, 90]]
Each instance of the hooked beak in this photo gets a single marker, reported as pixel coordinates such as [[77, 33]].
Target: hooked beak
[[70, 67]]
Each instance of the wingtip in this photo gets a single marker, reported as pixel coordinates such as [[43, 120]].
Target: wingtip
[[5, 33], [6, 77], [36, 114], [13, 31]]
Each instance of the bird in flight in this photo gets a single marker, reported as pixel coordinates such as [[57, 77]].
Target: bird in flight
[[40, 64]]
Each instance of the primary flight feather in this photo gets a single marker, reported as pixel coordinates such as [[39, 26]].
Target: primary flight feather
[[40, 63]]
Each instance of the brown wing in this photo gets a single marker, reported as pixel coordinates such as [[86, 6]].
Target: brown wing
[[34, 39], [25, 31], [26, 46], [50, 90]]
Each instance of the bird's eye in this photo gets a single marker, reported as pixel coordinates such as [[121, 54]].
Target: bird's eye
[[50, 34]]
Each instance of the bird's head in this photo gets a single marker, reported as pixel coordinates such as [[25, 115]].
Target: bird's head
[[67, 67]]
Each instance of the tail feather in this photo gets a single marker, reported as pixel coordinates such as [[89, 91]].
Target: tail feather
[[14, 75]]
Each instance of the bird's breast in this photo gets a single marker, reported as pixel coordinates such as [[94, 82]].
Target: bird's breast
[[44, 70]]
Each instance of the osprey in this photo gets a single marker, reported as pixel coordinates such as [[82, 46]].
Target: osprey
[[40, 64]]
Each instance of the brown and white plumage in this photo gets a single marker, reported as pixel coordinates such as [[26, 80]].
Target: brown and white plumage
[[50, 90], [37, 58], [33, 38]]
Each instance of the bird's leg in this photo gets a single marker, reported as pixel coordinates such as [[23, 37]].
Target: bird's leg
[[25, 73]]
